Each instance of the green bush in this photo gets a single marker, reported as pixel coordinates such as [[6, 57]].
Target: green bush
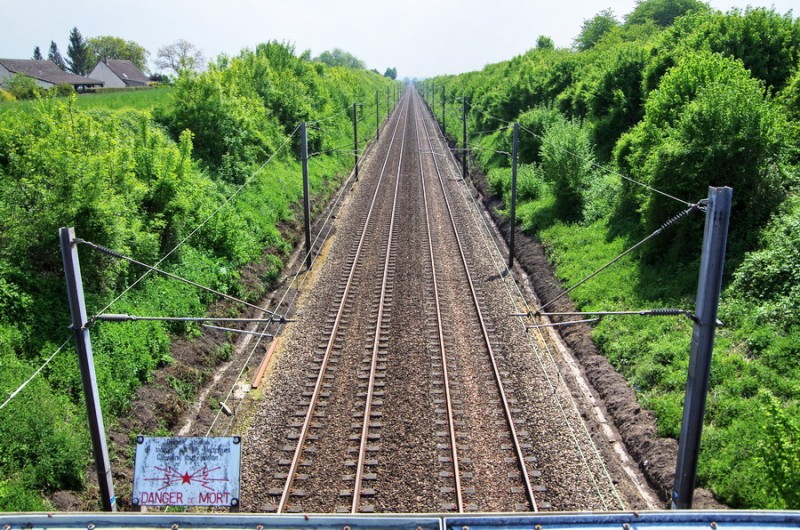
[[529, 183], [708, 124], [43, 439], [533, 125], [22, 87], [770, 277], [567, 166], [780, 451], [61, 91], [5, 95]]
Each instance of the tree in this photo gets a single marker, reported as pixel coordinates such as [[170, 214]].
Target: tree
[[37, 54], [55, 55], [339, 57], [108, 47], [545, 43], [594, 29], [709, 124], [181, 56], [662, 12], [391, 73], [78, 53]]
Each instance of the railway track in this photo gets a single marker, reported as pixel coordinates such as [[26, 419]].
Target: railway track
[[399, 390]]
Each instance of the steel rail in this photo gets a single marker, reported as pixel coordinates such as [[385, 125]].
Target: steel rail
[[286, 494], [500, 387], [440, 328], [362, 450]]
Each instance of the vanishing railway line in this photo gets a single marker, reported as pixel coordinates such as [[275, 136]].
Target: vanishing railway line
[[400, 389]]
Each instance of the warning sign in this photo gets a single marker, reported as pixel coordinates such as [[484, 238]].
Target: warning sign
[[187, 471]]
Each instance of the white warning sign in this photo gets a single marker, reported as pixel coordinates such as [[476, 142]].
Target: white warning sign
[[187, 471]]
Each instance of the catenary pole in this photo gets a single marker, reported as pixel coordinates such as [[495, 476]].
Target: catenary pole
[[306, 200], [464, 142], [377, 116], [83, 345], [513, 215], [444, 113], [355, 138], [709, 286]]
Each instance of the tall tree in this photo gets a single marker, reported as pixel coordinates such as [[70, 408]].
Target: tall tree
[[181, 56], [55, 55], [339, 57], [391, 73], [545, 43], [594, 29], [108, 47], [37, 54], [78, 53], [662, 12]]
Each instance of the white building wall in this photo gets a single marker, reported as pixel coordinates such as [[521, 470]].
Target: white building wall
[[103, 73]]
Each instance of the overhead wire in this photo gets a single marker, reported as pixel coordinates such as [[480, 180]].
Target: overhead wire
[[28, 381], [162, 259], [289, 288], [224, 204], [607, 171], [669, 223], [150, 268]]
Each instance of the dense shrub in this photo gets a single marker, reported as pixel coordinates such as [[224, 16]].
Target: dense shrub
[[770, 277], [767, 43], [533, 125], [567, 166], [61, 91], [22, 87], [708, 124], [662, 12]]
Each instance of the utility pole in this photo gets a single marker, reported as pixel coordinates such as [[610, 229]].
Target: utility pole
[[464, 142], [377, 117], [83, 345], [355, 137], [709, 285], [513, 219], [306, 200], [444, 122], [388, 104]]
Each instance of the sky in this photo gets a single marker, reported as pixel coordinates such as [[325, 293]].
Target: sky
[[420, 38]]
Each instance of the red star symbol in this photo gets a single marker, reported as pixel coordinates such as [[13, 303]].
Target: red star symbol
[[186, 478]]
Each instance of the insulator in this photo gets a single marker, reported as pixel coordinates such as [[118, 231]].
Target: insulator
[[106, 250], [665, 312], [677, 218], [114, 317]]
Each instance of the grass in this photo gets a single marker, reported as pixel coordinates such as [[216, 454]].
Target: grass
[[653, 352], [134, 100]]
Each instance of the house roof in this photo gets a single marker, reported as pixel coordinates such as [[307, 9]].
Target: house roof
[[46, 71], [126, 71]]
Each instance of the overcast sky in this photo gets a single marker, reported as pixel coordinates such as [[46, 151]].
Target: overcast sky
[[418, 37]]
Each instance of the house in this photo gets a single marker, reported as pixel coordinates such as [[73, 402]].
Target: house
[[46, 73], [119, 74]]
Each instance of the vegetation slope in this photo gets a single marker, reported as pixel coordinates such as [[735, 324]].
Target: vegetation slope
[[677, 97], [200, 176]]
